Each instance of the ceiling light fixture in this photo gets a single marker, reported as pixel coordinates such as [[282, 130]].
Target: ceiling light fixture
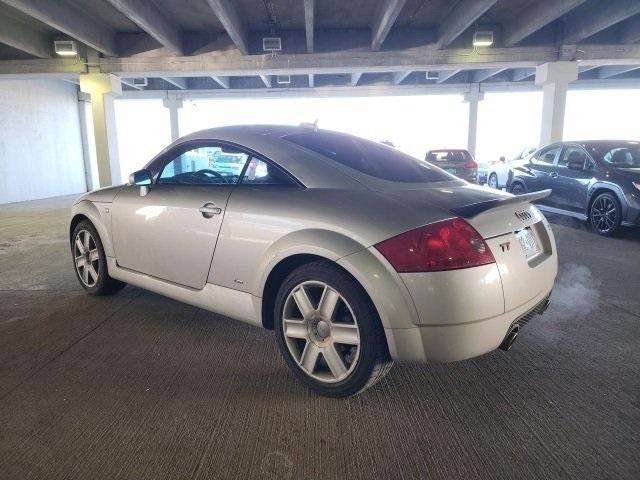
[[65, 48], [483, 39]]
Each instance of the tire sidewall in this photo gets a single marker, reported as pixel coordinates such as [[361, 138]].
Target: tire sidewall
[[616, 227], [365, 316], [99, 286], [518, 185]]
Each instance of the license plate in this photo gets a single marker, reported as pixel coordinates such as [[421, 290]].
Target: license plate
[[527, 242], [452, 171]]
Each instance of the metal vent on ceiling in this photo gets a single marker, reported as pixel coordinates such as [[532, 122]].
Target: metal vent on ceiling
[[283, 79], [272, 44], [140, 82], [432, 75]]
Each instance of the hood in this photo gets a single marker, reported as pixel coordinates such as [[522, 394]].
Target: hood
[[106, 194]]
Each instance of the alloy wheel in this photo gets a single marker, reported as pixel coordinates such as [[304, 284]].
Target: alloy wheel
[[87, 259], [321, 332], [604, 214]]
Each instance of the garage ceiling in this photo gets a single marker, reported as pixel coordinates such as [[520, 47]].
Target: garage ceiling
[[217, 44]]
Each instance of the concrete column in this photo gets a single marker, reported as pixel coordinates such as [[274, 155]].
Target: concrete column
[[88, 141], [473, 96], [173, 104], [103, 88], [554, 78]]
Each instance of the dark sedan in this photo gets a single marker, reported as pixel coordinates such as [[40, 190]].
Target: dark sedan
[[598, 181]]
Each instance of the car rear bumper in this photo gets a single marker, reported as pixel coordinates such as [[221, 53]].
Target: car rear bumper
[[454, 342]]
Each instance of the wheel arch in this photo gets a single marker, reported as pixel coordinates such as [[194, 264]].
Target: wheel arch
[[598, 188], [87, 210]]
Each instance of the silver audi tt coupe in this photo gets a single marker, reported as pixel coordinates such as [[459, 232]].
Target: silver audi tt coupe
[[354, 253]]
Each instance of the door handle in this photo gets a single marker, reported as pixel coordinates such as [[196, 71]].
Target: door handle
[[553, 174], [208, 210]]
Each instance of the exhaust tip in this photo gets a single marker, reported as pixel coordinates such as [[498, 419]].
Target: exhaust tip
[[509, 339]]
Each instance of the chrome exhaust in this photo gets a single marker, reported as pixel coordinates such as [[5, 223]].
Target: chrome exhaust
[[509, 339]]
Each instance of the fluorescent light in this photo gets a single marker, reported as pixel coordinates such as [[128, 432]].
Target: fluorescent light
[[65, 48], [483, 39]]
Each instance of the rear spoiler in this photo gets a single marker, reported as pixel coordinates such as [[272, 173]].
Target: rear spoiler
[[474, 209]]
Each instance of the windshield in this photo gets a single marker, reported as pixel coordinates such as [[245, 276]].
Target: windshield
[[369, 157], [622, 155]]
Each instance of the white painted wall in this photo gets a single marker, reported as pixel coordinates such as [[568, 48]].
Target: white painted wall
[[40, 142]]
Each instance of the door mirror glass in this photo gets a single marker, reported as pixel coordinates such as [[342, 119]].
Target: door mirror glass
[[140, 178]]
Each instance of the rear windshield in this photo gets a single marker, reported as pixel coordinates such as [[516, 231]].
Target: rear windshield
[[621, 155], [446, 156], [369, 157]]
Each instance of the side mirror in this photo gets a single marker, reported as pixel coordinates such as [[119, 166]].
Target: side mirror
[[575, 164], [140, 178], [503, 159], [143, 179]]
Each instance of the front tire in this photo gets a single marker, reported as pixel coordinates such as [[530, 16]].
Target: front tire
[[328, 331], [517, 188], [605, 214], [90, 261]]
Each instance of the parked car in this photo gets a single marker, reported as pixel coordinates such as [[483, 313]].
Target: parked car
[[457, 162], [496, 174], [598, 181], [353, 252]]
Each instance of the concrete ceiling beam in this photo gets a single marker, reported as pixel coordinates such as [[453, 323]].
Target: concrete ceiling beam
[[535, 17], [446, 75], [612, 71], [181, 83], [21, 37], [149, 19], [73, 22], [478, 76], [519, 74], [266, 79], [630, 30], [224, 82], [604, 15], [460, 18], [230, 19], [309, 11], [398, 77], [385, 17]]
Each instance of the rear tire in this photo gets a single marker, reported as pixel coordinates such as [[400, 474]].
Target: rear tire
[[329, 332], [90, 261], [518, 188], [605, 214]]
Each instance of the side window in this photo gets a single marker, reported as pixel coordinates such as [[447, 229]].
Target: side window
[[546, 156], [572, 154], [205, 165], [259, 172]]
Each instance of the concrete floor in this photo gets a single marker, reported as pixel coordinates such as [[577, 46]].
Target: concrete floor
[[139, 386]]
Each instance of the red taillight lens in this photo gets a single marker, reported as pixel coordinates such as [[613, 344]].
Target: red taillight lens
[[471, 164], [446, 245]]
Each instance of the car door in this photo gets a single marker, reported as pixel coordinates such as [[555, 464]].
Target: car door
[[253, 221], [573, 173], [170, 229], [541, 167]]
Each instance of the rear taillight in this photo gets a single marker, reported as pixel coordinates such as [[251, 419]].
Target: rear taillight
[[471, 164], [446, 245]]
